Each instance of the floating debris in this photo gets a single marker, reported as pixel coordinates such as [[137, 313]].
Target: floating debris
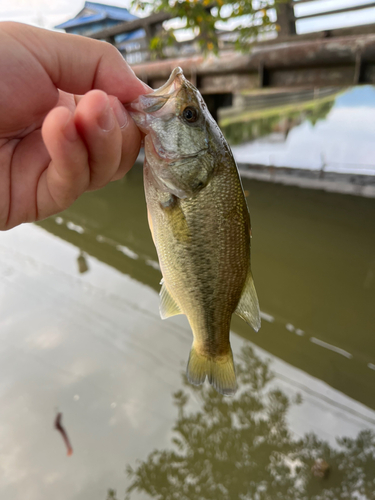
[[83, 266], [60, 428]]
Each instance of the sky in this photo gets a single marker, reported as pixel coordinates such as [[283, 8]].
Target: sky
[[47, 13]]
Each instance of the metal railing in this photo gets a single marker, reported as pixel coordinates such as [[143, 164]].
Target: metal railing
[[289, 28], [286, 21]]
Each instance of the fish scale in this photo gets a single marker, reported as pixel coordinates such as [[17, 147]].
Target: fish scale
[[200, 224]]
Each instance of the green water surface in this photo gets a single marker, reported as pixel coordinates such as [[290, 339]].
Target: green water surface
[[313, 258]]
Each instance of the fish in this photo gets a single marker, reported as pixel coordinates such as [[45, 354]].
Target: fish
[[200, 225]]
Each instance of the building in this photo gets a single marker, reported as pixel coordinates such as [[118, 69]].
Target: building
[[95, 17]]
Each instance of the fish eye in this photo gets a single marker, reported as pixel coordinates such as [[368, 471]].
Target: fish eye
[[190, 114]]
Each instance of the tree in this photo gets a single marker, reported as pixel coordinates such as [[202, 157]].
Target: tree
[[202, 16], [241, 448]]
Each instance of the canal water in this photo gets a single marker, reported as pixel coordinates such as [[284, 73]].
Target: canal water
[[329, 129], [81, 335]]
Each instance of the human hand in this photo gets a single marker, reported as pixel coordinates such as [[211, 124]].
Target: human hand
[[58, 136]]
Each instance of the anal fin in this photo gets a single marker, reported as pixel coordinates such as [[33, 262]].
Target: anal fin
[[168, 306], [248, 306]]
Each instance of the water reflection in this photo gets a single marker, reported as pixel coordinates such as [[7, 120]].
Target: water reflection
[[111, 224], [245, 448], [313, 257], [277, 120], [92, 345], [334, 133]]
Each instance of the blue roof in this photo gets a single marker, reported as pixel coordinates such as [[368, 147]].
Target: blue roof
[[100, 12], [133, 35]]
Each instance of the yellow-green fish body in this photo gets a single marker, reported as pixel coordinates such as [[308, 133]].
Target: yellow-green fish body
[[200, 225]]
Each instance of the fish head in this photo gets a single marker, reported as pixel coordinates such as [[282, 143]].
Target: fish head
[[179, 135]]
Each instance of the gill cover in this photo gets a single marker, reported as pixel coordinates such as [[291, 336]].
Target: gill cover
[[177, 141]]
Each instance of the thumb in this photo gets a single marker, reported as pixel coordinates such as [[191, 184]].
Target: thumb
[[77, 64]]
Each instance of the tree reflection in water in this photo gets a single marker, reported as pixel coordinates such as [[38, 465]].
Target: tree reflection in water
[[276, 120], [242, 449]]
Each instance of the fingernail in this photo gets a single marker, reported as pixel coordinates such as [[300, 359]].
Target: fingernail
[[106, 120], [70, 130], [120, 113]]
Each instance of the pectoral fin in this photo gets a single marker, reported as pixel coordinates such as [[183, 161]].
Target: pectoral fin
[[168, 306], [248, 306], [151, 225]]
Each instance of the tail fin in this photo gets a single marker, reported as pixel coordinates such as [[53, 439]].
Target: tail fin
[[220, 371]]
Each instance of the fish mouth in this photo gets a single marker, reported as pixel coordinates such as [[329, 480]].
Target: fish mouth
[[146, 108], [175, 81], [150, 103]]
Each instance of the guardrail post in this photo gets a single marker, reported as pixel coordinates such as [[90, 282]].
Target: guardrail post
[[110, 39], [285, 18], [151, 30]]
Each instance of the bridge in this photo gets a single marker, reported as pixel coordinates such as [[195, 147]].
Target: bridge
[[288, 62], [343, 56], [289, 67]]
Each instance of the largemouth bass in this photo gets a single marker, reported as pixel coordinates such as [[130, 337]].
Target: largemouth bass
[[200, 225]]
